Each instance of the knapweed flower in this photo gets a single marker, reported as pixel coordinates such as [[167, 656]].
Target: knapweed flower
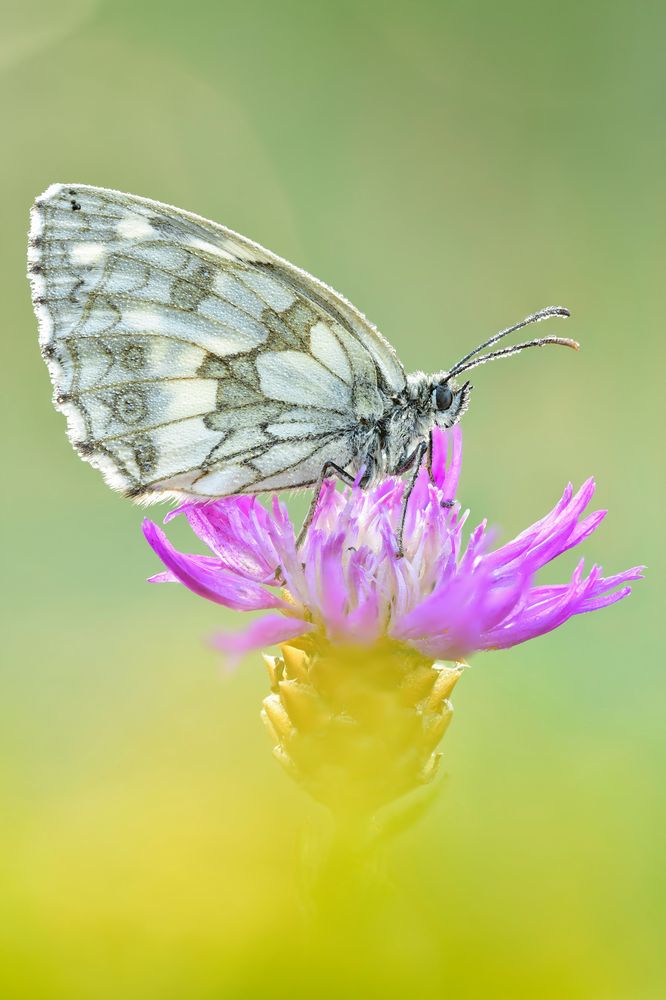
[[349, 596], [348, 581]]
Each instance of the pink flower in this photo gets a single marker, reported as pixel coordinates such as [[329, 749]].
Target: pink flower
[[347, 581]]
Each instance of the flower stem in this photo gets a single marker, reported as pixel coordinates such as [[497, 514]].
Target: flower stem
[[347, 878]]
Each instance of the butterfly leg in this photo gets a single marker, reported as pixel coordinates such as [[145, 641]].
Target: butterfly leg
[[328, 468], [415, 460]]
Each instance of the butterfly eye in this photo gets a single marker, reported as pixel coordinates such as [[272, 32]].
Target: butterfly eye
[[443, 398]]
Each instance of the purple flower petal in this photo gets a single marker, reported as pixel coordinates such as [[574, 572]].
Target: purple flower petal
[[215, 583], [547, 608], [268, 631], [236, 529], [165, 577], [446, 476]]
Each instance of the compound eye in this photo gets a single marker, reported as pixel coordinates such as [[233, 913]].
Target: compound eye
[[443, 398]]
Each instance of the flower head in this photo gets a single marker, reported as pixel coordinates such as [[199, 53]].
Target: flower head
[[349, 584]]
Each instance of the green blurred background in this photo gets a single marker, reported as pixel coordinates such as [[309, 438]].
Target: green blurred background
[[450, 166]]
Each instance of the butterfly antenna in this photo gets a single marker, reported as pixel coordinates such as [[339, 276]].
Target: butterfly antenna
[[536, 317], [506, 352]]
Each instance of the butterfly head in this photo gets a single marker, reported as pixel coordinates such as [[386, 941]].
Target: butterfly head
[[448, 401]]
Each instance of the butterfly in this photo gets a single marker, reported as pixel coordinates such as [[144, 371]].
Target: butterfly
[[191, 362]]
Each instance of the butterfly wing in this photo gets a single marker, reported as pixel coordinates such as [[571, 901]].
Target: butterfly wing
[[189, 360]]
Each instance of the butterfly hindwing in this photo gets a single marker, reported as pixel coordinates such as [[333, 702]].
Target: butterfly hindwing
[[189, 360]]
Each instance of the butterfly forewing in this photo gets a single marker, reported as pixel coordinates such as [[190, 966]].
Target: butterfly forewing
[[189, 360]]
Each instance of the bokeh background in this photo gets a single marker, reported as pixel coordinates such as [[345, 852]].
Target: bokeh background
[[450, 166]]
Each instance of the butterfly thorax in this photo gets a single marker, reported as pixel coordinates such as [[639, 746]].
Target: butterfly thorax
[[387, 446]]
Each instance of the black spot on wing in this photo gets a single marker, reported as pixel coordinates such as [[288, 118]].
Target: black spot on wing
[[135, 492], [188, 293], [145, 455], [166, 227], [133, 356], [129, 406]]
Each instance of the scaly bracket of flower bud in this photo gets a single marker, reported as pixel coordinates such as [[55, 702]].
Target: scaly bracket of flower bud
[[357, 727]]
